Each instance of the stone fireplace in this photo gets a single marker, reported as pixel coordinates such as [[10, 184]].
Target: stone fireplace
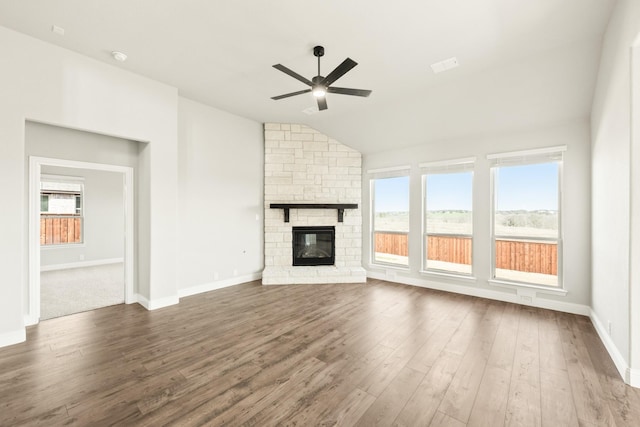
[[320, 180]]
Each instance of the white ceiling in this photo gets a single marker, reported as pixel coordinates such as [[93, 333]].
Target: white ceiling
[[523, 63]]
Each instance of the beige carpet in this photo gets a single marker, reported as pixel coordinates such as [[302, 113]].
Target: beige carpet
[[64, 292]]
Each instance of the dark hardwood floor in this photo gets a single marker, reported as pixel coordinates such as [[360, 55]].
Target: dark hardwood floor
[[307, 355]]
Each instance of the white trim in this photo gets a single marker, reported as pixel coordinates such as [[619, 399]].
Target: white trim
[[156, 303], [449, 275], [218, 284], [526, 153], [13, 337], [389, 266], [62, 178], [538, 288], [616, 356], [634, 378], [633, 218], [454, 162], [81, 264], [390, 169], [35, 165], [63, 246], [566, 307]]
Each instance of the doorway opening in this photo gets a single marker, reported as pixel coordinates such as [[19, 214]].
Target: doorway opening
[[59, 232]]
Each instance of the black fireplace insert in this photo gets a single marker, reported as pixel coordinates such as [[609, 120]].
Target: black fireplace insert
[[314, 245]]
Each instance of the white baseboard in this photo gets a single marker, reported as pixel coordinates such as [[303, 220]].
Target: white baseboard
[[485, 293], [80, 264], [30, 320], [166, 302], [612, 349], [13, 337], [218, 284], [634, 378], [157, 303]]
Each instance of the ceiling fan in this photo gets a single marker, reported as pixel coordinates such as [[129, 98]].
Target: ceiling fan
[[320, 85]]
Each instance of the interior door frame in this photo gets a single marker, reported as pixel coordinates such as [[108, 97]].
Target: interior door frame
[[32, 316]]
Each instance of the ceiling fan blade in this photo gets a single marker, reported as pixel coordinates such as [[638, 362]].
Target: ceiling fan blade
[[287, 95], [348, 91], [293, 74], [340, 71], [322, 103]]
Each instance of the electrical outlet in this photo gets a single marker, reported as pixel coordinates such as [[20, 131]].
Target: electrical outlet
[[526, 296], [81, 257], [609, 326], [235, 272], [390, 275], [216, 276]]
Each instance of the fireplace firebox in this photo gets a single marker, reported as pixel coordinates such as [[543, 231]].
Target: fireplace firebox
[[314, 245]]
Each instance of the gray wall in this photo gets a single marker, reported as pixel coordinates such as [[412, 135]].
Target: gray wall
[[613, 189], [220, 181], [60, 143], [103, 228]]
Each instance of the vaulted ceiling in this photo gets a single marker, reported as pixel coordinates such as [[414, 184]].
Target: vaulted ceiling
[[523, 64]]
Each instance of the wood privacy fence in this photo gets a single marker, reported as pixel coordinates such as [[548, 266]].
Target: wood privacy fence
[[450, 249], [529, 257], [55, 230], [392, 243]]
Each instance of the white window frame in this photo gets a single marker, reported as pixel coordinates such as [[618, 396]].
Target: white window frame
[[466, 164], [376, 174], [523, 158], [70, 180]]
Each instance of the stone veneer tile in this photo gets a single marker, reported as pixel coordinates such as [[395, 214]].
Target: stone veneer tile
[[303, 165]]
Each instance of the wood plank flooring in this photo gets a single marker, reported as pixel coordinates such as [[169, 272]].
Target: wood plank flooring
[[316, 355]]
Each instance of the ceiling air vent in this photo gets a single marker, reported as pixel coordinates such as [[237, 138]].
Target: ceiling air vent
[[445, 65]]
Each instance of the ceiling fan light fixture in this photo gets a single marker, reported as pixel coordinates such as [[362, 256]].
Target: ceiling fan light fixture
[[319, 85], [319, 91]]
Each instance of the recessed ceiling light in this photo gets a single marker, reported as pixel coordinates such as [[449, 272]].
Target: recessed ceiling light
[[57, 30], [119, 56], [445, 65]]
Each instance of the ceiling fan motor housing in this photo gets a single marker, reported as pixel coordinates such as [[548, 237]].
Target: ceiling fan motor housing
[[318, 51]]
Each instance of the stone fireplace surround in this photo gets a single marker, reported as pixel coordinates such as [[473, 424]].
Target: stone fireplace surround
[[304, 166]]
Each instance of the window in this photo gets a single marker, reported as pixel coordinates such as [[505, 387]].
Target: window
[[390, 220], [61, 210], [526, 217], [448, 216]]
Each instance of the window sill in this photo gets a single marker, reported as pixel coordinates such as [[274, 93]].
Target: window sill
[[537, 288], [62, 246], [466, 277], [389, 266]]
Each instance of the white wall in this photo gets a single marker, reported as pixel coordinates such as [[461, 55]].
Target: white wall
[[103, 211], [575, 210], [220, 224], [611, 181], [44, 83]]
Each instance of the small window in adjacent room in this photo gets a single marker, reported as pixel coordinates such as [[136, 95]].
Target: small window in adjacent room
[[61, 210], [527, 238], [448, 216], [390, 218]]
